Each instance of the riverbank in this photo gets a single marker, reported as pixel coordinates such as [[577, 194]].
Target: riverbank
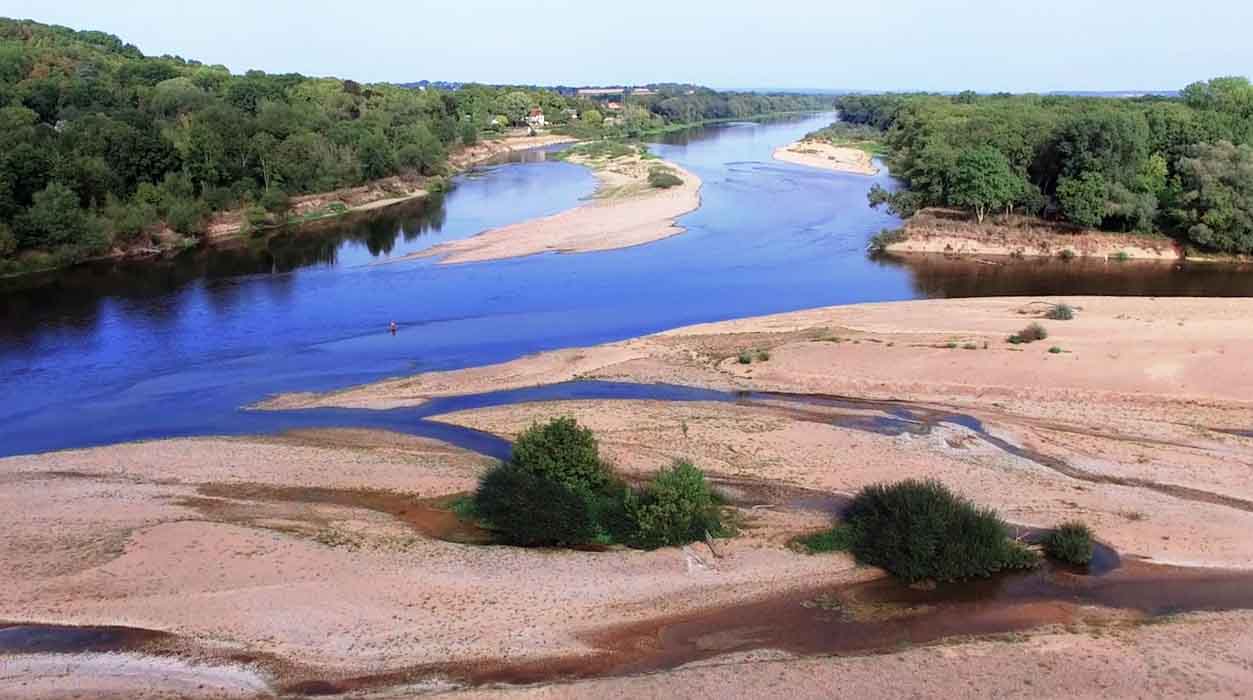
[[825, 156], [952, 232], [626, 210], [1133, 426]]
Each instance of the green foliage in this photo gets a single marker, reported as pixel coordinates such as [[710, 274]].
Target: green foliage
[[563, 451], [8, 241], [530, 510], [983, 181], [745, 357], [1127, 165], [880, 241], [677, 507], [919, 530], [1056, 350], [469, 132], [1082, 198], [1061, 312], [1071, 542], [1030, 334], [1215, 203], [663, 178], [53, 219], [837, 539]]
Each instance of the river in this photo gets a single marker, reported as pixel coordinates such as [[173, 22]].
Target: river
[[124, 351]]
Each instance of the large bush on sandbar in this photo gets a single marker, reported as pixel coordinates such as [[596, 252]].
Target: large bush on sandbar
[[530, 510], [920, 530], [563, 451], [677, 507]]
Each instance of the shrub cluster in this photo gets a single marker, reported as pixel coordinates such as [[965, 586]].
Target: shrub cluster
[[1030, 334], [1061, 312], [556, 491], [1071, 542], [920, 530], [663, 178]]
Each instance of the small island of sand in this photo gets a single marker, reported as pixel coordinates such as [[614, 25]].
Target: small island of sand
[[627, 210], [819, 154]]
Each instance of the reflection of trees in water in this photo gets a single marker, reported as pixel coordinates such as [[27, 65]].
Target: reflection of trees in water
[[940, 276], [71, 300]]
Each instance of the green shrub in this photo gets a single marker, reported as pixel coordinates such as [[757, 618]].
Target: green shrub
[[763, 355], [663, 178], [527, 509], [837, 539], [1061, 312], [1070, 542], [676, 508], [1067, 254], [563, 451], [920, 530], [1030, 334], [8, 242], [187, 217], [745, 357], [880, 241], [1056, 350]]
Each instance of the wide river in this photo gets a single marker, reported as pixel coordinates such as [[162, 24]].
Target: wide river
[[117, 352]]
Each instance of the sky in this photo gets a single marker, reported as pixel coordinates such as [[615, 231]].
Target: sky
[[987, 45]]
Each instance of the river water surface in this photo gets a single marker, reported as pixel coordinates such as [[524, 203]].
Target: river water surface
[[124, 351]]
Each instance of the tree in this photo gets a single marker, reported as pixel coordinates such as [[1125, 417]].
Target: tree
[[516, 106], [563, 451], [1215, 205], [54, 218], [983, 181], [1082, 199], [469, 133], [592, 116]]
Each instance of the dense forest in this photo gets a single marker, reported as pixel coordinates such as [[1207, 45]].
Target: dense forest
[[104, 148], [1182, 165]]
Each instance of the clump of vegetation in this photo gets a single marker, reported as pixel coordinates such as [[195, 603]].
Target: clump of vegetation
[[663, 178], [880, 241], [836, 539], [1030, 334], [1061, 312], [970, 346], [556, 491], [675, 508], [598, 150], [1067, 254], [1071, 542], [745, 357], [920, 530], [763, 355], [1056, 350]]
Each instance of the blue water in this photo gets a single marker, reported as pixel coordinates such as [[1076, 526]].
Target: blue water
[[119, 352]]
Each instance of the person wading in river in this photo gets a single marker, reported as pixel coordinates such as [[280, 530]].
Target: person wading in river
[[393, 327]]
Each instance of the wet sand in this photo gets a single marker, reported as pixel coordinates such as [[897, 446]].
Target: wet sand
[[317, 556], [820, 154], [625, 212]]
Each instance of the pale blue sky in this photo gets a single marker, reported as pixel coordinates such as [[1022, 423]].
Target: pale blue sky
[[1015, 45]]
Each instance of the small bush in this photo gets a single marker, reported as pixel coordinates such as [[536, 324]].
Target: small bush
[[1061, 312], [1071, 542], [1030, 334], [1056, 350], [880, 241], [187, 217], [920, 530], [745, 358], [663, 178], [837, 539], [563, 451], [763, 355], [1067, 254], [676, 508], [1120, 256], [530, 510]]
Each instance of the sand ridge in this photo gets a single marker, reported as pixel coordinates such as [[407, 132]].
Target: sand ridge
[[820, 154]]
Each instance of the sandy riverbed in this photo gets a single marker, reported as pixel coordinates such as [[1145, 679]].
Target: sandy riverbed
[[179, 535], [624, 212], [819, 154]]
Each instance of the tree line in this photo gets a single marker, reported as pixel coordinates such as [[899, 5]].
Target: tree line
[[102, 147], [1180, 165]]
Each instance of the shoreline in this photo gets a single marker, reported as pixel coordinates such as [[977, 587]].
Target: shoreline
[[825, 156], [938, 231], [221, 542], [625, 211]]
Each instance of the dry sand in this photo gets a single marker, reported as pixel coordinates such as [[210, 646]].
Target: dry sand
[[625, 212], [820, 154], [176, 535]]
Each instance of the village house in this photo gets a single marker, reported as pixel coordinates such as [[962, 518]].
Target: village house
[[535, 119]]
